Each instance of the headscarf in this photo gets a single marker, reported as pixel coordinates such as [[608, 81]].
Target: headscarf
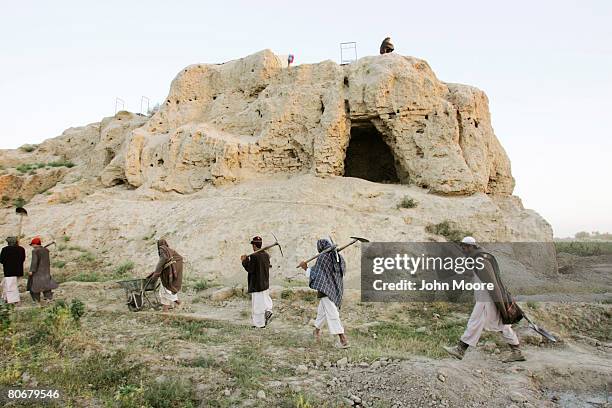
[[12, 241], [36, 241], [328, 273]]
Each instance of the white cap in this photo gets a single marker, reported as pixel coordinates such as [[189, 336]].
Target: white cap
[[469, 241]]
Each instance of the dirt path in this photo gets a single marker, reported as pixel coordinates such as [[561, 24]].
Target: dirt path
[[387, 366]]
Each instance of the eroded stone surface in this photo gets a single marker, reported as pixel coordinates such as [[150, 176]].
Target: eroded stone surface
[[251, 116]]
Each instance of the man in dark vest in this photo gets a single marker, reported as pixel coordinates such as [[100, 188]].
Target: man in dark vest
[[258, 267], [12, 258]]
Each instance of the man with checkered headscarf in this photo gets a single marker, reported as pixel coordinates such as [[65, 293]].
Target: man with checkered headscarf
[[326, 277]]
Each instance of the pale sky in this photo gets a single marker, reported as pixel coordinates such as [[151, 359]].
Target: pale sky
[[546, 67]]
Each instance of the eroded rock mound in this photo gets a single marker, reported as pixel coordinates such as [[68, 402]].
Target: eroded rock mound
[[387, 114], [79, 155]]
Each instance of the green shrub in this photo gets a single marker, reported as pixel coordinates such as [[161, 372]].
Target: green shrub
[[124, 268], [28, 148], [5, 316], [87, 257], [129, 396], [302, 401], [201, 285], [19, 202], [168, 393], [61, 163], [77, 310], [28, 167], [448, 230], [87, 277], [76, 248], [58, 264], [57, 322], [99, 372], [65, 238], [407, 202]]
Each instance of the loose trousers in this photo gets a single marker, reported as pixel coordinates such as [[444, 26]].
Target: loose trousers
[[328, 312], [261, 302], [485, 316]]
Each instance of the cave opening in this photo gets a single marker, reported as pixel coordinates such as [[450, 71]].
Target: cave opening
[[368, 156]]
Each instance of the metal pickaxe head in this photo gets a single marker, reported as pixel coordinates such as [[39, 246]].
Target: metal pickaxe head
[[360, 239], [280, 248]]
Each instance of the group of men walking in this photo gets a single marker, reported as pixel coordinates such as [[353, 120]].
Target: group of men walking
[[40, 282], [326, 277]]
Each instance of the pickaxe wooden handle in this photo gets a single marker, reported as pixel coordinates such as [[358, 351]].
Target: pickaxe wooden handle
[[276, 243], [335, 247]]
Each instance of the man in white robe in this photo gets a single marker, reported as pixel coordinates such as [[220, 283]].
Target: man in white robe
[[257, 266], [485, 316], [12, 258]]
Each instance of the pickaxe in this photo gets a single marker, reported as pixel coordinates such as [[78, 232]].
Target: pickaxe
[[276, 243], [21, 212], [336, 248]]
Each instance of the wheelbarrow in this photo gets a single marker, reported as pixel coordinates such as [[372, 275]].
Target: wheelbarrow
[[136, 292]]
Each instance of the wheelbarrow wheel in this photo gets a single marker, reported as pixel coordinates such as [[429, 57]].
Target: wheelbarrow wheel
[[135, 302]]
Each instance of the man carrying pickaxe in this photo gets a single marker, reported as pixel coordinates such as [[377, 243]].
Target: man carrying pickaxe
[[326, 277], [257, 265]]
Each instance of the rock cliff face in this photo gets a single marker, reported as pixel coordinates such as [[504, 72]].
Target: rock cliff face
[[253, 147], [78, 155], [251, 116]]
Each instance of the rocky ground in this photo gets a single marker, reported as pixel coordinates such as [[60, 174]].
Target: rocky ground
[[206, 354]]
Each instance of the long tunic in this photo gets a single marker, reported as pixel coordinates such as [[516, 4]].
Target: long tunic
[[41, 280], [12, 258], [490, 274], [486, 316], [258, 268]]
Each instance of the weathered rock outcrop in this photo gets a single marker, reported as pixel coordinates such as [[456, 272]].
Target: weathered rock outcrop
[[17, 186], [79, 153], [252, 116], [287, 134]]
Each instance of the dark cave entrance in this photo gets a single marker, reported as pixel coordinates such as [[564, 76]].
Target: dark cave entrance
[[368, 156]]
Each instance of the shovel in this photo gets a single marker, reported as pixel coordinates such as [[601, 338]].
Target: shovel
[[276, 243], [540, 330], [336, 248]]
